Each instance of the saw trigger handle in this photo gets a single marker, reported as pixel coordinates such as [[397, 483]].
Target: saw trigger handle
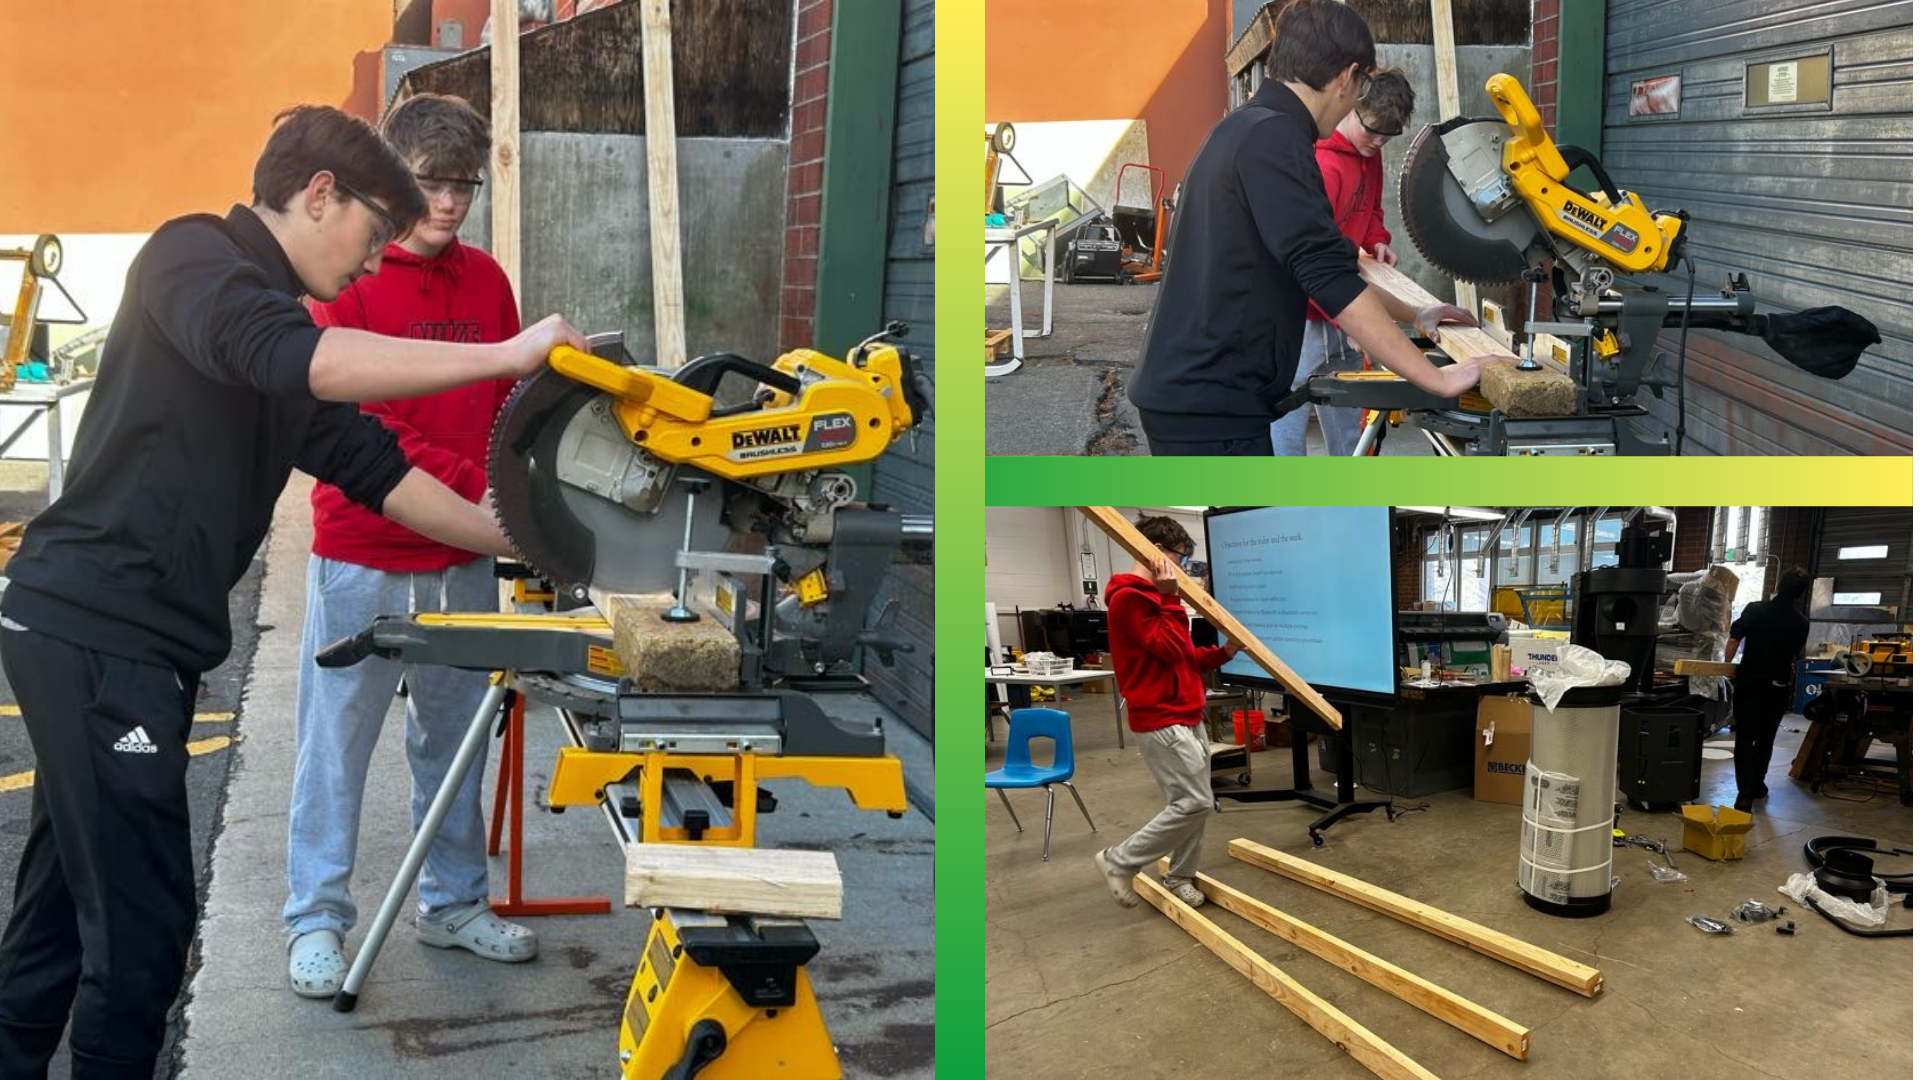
[[917, 387]]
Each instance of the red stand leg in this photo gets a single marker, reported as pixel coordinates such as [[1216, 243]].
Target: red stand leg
[[512, 760]]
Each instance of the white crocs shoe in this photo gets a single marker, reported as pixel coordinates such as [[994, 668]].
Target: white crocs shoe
[[475, 928], [1186, 890], [316, 964]]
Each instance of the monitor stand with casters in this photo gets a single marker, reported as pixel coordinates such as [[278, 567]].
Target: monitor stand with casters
[[1342, 804]]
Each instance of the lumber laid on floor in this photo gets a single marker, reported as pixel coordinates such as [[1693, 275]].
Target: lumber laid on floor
[[1512, 391], [1340, 1029], [1531, 959], [1436, 1001], [1123, 533], [661, 655], [757, 881]]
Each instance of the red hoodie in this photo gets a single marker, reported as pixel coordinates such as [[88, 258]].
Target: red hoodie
[[1153, 655], [458, 295], [1354, 186]]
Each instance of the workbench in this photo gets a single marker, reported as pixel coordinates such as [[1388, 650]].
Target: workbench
[[1001, 675]]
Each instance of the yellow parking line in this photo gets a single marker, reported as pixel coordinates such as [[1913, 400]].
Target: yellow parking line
[[21, 781], [198, 718]]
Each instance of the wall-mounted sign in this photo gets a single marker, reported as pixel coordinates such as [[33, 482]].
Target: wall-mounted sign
[[1806, 80], [1657, 96]]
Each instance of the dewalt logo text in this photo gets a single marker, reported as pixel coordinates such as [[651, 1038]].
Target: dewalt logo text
[[1575, 210], [766, 436]]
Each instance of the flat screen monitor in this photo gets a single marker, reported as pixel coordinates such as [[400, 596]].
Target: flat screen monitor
[[1315, 585]]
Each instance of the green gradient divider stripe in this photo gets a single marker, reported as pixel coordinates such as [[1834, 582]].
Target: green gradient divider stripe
[[959, 297], [1137, 481]]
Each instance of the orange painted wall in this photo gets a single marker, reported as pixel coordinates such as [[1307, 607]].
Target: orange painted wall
[[1163, 61], [121, 114]]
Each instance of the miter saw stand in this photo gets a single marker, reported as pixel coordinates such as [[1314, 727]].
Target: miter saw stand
[[1609, 354], [676, 767]]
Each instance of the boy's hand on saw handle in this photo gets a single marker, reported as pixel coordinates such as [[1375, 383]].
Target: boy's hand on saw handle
[[526, 352]]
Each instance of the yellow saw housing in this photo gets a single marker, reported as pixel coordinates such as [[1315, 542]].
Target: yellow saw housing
[[844, 414], [1626, 236]]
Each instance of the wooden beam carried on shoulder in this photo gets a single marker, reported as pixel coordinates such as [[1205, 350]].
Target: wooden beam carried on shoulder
[[1123, 533], [1512, 391], [1340, 1029], [1531, 959], [1436, 1001]]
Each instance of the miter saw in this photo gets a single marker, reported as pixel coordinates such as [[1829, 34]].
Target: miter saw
[[1486, 201], [609, 478]]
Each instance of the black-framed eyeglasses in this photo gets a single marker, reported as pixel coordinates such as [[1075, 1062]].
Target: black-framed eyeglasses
[[388, 228], [1366, 83], [1371, 130], [458, 189]]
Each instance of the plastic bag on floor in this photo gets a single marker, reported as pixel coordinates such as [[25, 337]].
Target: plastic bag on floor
[[1866, 916], [1577, 666]]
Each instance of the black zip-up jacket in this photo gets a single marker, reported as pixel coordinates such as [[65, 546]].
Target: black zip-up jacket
[[1253, 239], [201, 411]]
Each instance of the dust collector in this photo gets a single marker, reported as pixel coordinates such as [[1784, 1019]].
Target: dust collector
[[1566, 810]]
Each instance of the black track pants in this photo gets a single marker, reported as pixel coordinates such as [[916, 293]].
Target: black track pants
[[104, 903]]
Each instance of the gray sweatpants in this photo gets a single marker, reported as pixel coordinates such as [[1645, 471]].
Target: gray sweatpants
[[339, 715], [1177, 757]]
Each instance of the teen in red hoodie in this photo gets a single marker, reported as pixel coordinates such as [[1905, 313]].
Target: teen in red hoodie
[[428, 286], [1158, 670], [1350, 167]]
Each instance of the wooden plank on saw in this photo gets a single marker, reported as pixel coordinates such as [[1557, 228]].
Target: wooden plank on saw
[[1447, 86], [757, 881], [1512, 391], [1531, 959], [1123, 533], [661, 655], [1340, 1029], [504, 107], [1436, 1001]]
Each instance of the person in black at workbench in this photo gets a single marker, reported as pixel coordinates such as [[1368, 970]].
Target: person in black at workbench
[[1255, 239], [1775, 634], [214, 385]]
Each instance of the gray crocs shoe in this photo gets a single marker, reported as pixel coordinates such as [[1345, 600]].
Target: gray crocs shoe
[[475, 928], [1185, 889], [1119, 883], [316, 964]]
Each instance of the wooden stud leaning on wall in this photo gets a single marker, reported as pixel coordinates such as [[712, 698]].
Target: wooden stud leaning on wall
[[1447, 82], [1340, 1029], [1484, 1024], [1517, 393], [1531, 959], [663, 185], [1123, 533], [504, 224]]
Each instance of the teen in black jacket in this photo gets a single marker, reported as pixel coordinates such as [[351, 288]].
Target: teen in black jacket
[[214, 385], [1254, 239]]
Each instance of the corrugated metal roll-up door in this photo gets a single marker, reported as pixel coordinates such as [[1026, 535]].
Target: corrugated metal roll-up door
[[903, 478], [1812, 200], [1863, 527]]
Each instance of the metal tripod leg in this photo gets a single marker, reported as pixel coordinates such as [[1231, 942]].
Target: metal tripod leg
[[470, 747], [1375, 431]]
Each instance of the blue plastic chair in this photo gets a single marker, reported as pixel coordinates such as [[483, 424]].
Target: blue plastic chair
[[1020, 772]]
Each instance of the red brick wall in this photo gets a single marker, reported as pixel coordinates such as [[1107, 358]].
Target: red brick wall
[[1546, 59], [1692, 535], [806, 162]]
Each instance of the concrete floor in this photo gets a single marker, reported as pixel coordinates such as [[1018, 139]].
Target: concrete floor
[[1078, 987], [1069, 397]]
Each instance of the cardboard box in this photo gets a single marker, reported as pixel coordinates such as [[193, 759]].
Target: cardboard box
[[1716, 832], [1502, 739]]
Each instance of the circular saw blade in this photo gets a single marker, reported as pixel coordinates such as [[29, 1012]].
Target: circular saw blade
[[1441, 220], [576, 538]]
